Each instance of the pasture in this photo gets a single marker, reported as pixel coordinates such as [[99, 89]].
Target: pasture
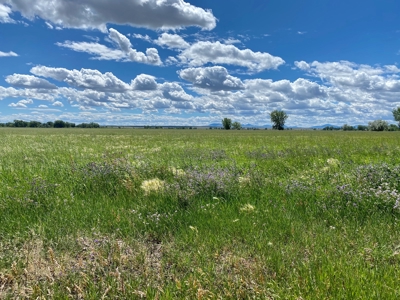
[[199, 214]]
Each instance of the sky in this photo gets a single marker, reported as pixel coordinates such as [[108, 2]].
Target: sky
[[176, 62]]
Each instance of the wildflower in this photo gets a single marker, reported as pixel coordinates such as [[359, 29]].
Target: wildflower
[[194, 229], [247, 208], [333, 162], [177, 172], [153, 185], [244, 181]]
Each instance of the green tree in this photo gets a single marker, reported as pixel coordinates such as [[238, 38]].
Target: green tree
[[396, 114], [236, 125], [278, 118], [59, 124], [227, 123], [378, 125], [347, 127], [362, 127]]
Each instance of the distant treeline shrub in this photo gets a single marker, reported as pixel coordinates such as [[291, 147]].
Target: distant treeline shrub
[[55, 124]]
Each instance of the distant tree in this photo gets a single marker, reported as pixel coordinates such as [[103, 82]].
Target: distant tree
[[236, 125], [393, 127], [396, 114], [50, 124], [362, 127], [34, 124], [278, 118], [95, 125], [20, 123], [59, 124], [227, 123], [346, 127], [378, 125]]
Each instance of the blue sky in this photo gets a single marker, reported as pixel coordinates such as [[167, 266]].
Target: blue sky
[[156, 62]]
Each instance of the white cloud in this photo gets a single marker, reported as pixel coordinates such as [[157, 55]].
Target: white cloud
[[125, 53], [173, 91], [123, 42], [89, 14], [84, 78], [49, 26], [100, 51], [21, 103], [142, 37], [212, 78], [346, 75], [202, 53], [5, 12], [172, 41], [43, 106], [144, 82], [58, 104], [231, 41], [29, 82], [151, 57], [5, 54], [302, 65]]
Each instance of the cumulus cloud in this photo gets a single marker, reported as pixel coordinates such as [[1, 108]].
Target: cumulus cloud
[[58, 104], [29, 82], [302, 65], [5, 54], [212, 78], [5, 12], [173, 91], [125, 53], [84, 78], [201, 53], [172, 41], [144, 82], [21, 103], [346, 75], [89, 14], [123, 42], [151, 57]]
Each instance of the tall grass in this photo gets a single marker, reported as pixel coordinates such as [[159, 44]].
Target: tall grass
[[170, 214]]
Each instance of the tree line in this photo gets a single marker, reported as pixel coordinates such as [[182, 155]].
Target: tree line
[[278, 119], [50, 124]]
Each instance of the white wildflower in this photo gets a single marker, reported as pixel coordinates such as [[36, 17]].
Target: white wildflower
[[247, 208], [177, 172], [244, 181], [333, 162], [152, 186]]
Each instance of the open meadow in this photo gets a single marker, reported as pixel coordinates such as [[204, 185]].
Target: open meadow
[[199, 214]]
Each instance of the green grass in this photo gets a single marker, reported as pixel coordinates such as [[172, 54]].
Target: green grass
[[228, 215]]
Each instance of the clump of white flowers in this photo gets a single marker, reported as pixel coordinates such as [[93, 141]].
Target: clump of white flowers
[[153, 186], [177, 172], [333, 162], [244, 181], [247, 208]]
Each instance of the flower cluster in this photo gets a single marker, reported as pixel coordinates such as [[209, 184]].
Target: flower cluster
[[153, 186]]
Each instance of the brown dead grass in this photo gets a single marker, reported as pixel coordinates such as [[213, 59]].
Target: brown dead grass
[[116, 267]]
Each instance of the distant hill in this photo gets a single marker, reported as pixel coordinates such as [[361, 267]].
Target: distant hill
[[325, 125]]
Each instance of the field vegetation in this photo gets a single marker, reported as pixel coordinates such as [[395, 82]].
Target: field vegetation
[[199, 214]]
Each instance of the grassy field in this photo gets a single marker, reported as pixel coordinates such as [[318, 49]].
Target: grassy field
[[199, 214]]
